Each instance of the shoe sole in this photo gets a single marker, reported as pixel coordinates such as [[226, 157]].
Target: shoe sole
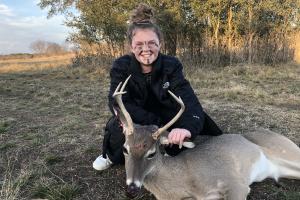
[[101, 169]]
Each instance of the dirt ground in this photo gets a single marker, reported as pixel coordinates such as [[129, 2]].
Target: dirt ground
[[51, 128]]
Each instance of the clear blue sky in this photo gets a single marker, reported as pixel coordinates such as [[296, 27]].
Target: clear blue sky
[[22, 22]]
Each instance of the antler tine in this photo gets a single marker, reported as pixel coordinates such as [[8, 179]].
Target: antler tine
[[125, 83], [118, 97], [170, 123], [116, 92]]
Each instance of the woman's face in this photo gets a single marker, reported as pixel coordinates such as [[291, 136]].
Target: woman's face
[[145, 46]]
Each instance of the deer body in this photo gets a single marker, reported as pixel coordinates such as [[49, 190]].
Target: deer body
[[222, 167], [219, 167]]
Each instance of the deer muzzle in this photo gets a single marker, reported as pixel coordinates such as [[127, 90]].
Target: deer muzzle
[[132, 190]]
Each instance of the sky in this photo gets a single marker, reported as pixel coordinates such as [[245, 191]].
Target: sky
[[23, 22]]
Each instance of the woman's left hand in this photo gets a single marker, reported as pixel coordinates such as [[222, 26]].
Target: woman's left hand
[[177, 136]]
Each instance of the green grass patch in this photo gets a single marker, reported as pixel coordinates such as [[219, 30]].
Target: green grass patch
[[6, 146], [53, 159], [38, 140], [289, 195], [3, 127], [92, 150], [28, 136], [54, 191], [282, 194]]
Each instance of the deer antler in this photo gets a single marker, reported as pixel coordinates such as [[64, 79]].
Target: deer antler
[[118, 97], [170, 123]]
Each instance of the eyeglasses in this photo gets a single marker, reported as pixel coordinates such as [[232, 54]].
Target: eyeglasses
[[140, 45]]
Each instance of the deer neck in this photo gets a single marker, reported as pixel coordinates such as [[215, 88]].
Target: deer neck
[[154, 173], [153, 181]]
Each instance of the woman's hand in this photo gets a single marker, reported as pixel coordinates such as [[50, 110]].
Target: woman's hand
[[177, 136]]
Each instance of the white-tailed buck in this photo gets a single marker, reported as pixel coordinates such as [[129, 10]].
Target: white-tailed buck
[[221, 167]]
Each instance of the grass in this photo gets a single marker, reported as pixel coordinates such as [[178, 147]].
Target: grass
[[52, 119], [52, 159], [15, 64], [3, 128], [53, 191], [37, 180], [11, 186], [289, 195], [244, 83], [5, 124], [4, 147]]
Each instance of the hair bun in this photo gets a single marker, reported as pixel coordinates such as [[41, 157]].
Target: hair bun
[[142, 14]]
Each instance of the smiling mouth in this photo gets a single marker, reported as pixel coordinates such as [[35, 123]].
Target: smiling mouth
[[147, 58], [147, 55]]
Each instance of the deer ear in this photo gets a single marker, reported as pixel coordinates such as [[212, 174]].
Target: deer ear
[[120, 116], [115, 111]]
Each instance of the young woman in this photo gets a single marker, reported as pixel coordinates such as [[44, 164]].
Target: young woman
[[147, 99]]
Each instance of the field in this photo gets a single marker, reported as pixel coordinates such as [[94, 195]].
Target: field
[[52, 118]]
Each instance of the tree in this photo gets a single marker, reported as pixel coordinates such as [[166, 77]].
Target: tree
[[54, 48], [38, 46], [212, 30], [41, 46]]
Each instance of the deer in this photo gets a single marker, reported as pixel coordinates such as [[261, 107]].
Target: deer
[[219, 167]]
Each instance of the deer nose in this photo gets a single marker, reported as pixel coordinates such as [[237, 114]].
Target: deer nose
[[132, 190]]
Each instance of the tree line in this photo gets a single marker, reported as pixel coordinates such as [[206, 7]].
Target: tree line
[[45, 47], [216, 32]]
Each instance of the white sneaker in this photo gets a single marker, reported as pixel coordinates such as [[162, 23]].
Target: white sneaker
[[102, 163]]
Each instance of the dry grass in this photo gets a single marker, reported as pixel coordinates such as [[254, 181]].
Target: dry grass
[[51, 126], [13, 64], [247, 82], [297, 48], [11, 186]]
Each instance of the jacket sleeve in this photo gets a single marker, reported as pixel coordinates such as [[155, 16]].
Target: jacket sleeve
[[139, 115], [192, 118]]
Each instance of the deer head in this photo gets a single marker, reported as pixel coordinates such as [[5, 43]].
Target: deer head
[[141, 148]]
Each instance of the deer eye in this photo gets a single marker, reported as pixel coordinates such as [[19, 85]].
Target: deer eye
[[151, 155], [125, 151]]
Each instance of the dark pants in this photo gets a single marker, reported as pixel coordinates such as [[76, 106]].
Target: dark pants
[[114, 139]]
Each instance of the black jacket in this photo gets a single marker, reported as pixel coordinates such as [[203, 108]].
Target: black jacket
[[150, 103]]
